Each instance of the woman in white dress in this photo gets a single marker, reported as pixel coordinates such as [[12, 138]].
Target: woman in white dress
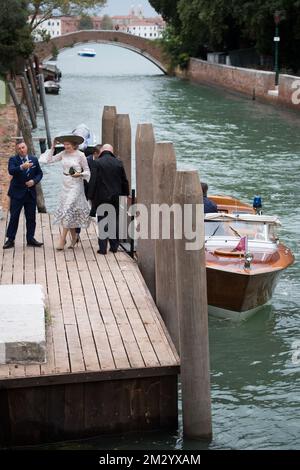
[[73, 210]]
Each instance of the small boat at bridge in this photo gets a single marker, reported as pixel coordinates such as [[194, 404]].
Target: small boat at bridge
[[244, 258], [87, 52]]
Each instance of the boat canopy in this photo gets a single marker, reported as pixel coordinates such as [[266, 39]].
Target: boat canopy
[[223, 217]]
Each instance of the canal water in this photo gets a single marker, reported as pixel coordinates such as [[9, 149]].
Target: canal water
[[241, 148]]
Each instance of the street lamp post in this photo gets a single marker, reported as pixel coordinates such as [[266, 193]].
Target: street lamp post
[[277, 19]]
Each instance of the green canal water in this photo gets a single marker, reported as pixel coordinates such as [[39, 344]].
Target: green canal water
[[241, 148]]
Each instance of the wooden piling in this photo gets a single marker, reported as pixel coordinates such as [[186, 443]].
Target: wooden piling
[[122, 142], [26, 133], [44, 105], [108, 124], [42, 143], [25, 76], [144, 145], [164, 173], [192, 311], [33, 86], [29, 103], [37, 65]]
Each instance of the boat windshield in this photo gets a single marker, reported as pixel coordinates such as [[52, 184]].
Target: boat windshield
[[238, 229]]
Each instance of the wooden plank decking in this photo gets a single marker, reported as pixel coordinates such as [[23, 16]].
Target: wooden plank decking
[[103, 321]]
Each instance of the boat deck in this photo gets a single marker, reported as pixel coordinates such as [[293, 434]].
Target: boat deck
[[101, 319]]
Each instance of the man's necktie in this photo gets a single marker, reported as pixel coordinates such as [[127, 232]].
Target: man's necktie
[[28, 169]]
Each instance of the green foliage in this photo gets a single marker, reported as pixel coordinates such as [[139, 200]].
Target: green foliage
[[15, 37], [54, 51], [107, 23], [85, 22], [41, 10], [168, 10], [199, 26]]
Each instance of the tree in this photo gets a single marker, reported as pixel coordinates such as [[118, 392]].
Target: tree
[[197, 26], [106, 23], [15, 37], [168, 10], [85, 22], [41, 10]]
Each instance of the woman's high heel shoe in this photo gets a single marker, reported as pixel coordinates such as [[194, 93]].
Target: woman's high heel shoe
[[61, 246], [74, 242]]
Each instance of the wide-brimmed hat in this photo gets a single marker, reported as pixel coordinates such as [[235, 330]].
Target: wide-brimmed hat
[[73, 139]]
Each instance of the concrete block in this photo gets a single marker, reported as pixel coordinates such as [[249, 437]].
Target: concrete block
[[22, 324]]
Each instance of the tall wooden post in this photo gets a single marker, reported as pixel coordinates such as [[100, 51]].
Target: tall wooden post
[[122, 141], [26, 133], [33, 86], [24, 75], [37, 64], [144, 145], [164, 173], [108, 124], [29, 104], [45, 111], [192, 311]]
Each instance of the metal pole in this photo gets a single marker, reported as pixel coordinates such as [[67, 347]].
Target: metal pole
[[44, 105], [277, 55]]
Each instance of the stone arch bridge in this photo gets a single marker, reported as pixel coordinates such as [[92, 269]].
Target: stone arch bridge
[[145, 47]]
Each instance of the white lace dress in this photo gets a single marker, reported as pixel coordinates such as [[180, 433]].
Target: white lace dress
[[73, 210]]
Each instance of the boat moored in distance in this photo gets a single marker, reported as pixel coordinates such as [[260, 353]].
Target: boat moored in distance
[[87, 52], [244, 258], [52, 87]]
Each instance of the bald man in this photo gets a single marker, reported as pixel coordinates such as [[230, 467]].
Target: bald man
[[108, 182]]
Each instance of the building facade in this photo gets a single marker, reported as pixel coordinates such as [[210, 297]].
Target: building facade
[[134, 23], [51, 27]]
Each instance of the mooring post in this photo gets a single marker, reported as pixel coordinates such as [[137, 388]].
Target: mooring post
[[37, 64], [26, 133], [122, 142], [28, 102], [108, 124], [25, 76], [144, 152], [33, 86], [192, 309], [22, 121], [164, 173], [44, 105], [42, 143]]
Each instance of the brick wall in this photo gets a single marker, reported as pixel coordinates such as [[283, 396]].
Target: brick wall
[[247, 81]]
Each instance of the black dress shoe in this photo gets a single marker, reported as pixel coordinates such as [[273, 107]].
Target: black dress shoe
[[8, 244], [101, 252], [35, 243], [114, 250]]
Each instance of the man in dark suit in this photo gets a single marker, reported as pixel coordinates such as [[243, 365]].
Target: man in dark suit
[[209, 206], [108, 182], [26, 174]]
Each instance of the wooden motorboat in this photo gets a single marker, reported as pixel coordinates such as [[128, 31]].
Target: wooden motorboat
[[244, 258], [87, 52], [52, 87]]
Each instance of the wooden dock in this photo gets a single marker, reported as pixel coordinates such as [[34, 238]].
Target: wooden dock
[[111, 365]]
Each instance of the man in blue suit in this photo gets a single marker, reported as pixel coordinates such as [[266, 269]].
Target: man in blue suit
[[26, 174]]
